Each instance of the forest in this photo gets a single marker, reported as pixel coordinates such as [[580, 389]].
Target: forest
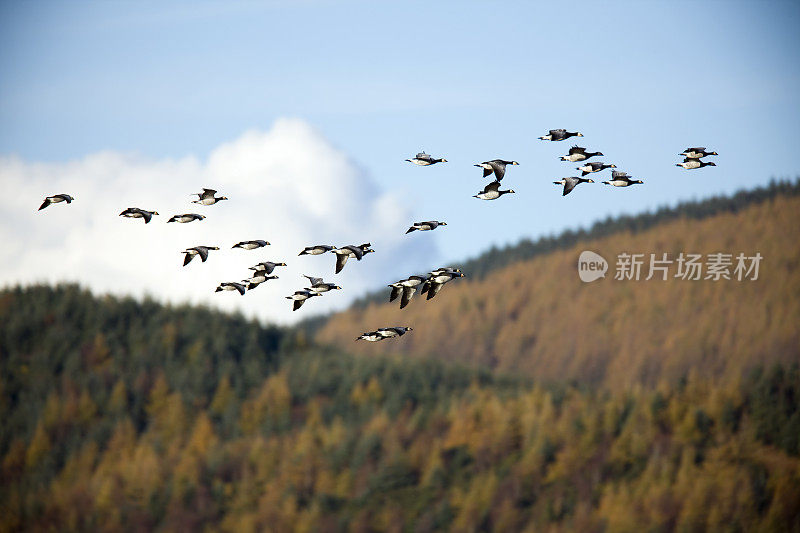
[[611, 406]]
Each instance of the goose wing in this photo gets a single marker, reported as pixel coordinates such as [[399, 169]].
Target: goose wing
[[434, 289], [312, 279], [341, 259], [493, 186], [569, 184], [499, 168], [408, 293], [577, 150], [395, 293]]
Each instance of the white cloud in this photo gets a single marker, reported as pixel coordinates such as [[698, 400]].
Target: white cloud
[[288, 185]]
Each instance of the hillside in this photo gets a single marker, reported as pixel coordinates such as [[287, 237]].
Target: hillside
[[536, 316], [122, 415]]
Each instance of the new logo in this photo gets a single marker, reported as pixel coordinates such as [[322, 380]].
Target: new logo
[[591, 266]]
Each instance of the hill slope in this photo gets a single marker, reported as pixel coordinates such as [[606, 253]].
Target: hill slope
[[538, 318], [124, 415]]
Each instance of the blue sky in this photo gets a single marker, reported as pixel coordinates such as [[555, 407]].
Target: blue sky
[[379, 81]]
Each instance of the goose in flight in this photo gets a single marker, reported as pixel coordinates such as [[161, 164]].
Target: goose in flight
[[436, 281], [267, 266], [230, 286], [570, 183], [346, 252], [691, 163], [207, 197], [135, 212], [424, 160], [697, 152], [319, 286], [560, 135], [384, 333], [251, 245], [579, 153], [56, 198], [300, 297], [498, 166], [426, 226], [187, 217], [202, 251], [621, 179], [316, 250], [492, 192], [594, 166]]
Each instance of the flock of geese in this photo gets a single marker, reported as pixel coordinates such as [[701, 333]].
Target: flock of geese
[[429, 284]]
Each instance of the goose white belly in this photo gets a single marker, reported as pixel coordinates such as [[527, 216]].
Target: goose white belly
[[491, 195]]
